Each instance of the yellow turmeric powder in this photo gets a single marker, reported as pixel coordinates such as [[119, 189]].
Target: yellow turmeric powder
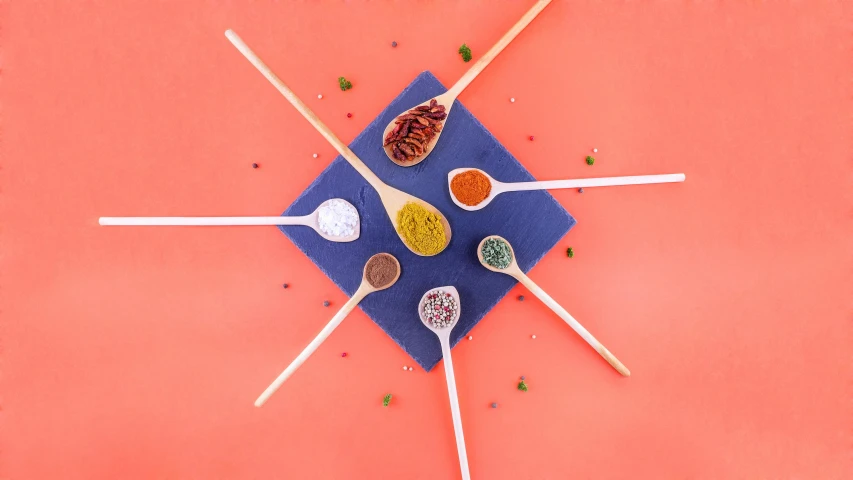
[[421, 229]]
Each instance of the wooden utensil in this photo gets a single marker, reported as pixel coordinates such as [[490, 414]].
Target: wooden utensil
[[310, 220], [447, 99], [392, 199], [363, 290], [514, 271], [501, 187], [444, 338]]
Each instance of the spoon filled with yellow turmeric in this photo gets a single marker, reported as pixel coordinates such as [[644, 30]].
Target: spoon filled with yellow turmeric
[[421, 227]]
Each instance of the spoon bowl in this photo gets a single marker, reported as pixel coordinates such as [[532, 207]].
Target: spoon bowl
[[497, 189], [446, 100], [443, 334], [394, 200], [514, 271]]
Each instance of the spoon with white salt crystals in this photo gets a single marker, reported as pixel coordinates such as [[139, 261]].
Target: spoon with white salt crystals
[[498, 188], [335, 220], [439, 310]]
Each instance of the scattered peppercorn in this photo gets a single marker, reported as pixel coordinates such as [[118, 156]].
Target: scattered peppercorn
[[465, 52], [522, 377], [344, 84], [531, 138], [254, 165], [494, 405], [580, 190], [522, 386], [570, 252], [386, 400], [521, 298], [326, 303], [349, 115], [344, 354], [589, 160], [286, 285], [394, 44]]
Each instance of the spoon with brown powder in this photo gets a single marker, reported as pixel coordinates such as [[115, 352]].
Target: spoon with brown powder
[[413, 134], [472, 189], [380, 272]]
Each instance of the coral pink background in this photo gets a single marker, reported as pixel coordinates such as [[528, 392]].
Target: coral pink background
[[137, 352]]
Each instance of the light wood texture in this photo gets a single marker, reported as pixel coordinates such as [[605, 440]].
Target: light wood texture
[[363, 290], [514, 271], [310, 220], [392, 199], [447, 99], [444, 338], [501, 187]]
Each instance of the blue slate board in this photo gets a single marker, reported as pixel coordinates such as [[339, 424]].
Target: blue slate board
[[533, 222]]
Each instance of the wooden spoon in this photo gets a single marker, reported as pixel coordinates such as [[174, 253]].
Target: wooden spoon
[[392, 199], [447, 99], [444, 338], [363, 290], [310, 220], [501, 187], [514, 271]]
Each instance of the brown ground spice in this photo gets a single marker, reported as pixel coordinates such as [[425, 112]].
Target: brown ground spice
[[471, 187], [380, 270]]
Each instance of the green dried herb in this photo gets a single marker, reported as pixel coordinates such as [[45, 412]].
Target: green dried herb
[[465, 52], [496, 253], [570, 252], [344, 83], [589, 160], [522, 386], [386, 400]]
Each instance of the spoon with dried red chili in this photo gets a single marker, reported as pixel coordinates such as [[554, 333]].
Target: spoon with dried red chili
[[412, 135]]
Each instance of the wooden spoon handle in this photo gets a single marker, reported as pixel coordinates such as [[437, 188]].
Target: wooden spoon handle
[[318, 340], [306, 112], [454, 407], [202, 221], [493, 52], [576, 326], [594, 182]]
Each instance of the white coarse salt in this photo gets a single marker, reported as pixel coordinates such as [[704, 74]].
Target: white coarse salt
[[533, 337], [410, 369], [337, 218], [594, 150], [315, 155], [470, 337], [320, 96], [512, 100], [405, 367]]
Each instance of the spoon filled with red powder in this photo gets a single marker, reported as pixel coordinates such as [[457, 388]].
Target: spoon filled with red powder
[[472, 189]]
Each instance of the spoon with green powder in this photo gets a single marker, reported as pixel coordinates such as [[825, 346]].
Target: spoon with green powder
[[496, 254], [393, 200]]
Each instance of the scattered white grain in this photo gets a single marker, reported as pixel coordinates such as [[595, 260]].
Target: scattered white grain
[[315, 155], [470, 337], [337, 218], [512, 100], [594, 150], [533, 337], [320, 96], [410, 369], [405, 367]]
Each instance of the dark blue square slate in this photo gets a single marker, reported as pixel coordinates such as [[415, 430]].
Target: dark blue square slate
[[533, 222]]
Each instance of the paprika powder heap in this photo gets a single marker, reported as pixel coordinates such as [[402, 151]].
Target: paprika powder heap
[[471, 187]]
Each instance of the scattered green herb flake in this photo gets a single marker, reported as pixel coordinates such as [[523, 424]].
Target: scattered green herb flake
[[589, 160], [344, 83], [386, 400], [570, 252], [465, 52], [522, 386]]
